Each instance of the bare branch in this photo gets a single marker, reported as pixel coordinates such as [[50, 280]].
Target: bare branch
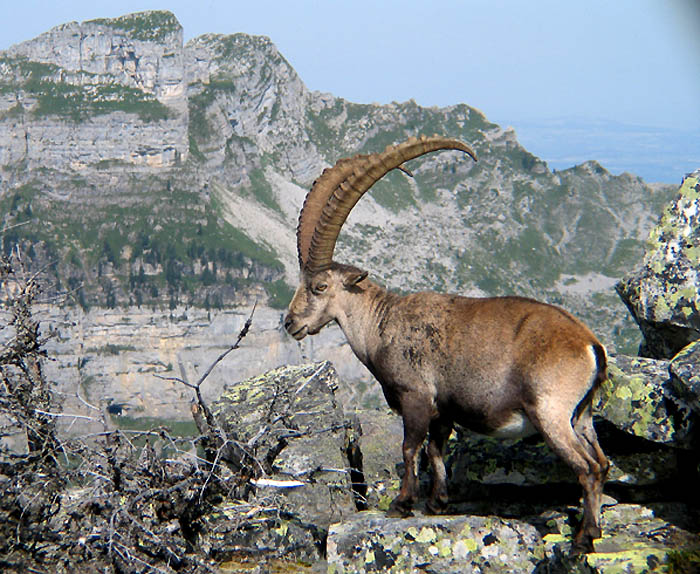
[[241, 336]]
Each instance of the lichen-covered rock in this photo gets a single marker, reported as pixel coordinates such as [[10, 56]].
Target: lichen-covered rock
[[685, 371], [638, 398], [243, 533], [289, 420], [663, 296], [479, 459], [636, 540], [371, 542], [479, 466]]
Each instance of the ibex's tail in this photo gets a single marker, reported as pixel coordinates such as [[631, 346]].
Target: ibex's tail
[[601, 359], [599, 376]]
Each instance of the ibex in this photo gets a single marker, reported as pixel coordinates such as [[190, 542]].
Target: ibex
[[501, 366]]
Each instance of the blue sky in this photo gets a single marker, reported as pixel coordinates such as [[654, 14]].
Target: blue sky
[[527, 64]]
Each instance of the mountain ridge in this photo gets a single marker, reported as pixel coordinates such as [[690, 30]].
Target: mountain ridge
[[195, 158]]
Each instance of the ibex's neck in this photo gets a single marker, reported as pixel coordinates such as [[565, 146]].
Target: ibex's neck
[[362, 315]]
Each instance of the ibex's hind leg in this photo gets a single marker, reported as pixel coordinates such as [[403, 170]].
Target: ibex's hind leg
[[558, 432], [583, 427], [439, 433]]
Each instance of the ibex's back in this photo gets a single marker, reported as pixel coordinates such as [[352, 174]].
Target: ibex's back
[[502, 366]]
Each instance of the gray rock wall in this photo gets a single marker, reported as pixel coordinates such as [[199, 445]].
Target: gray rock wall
[[109, 68]]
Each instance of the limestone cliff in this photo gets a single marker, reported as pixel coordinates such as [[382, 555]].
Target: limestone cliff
[[100, 91]]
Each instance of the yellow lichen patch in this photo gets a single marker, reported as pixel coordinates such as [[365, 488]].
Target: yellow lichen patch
[[444, 547], [637, 558], [426, 535]]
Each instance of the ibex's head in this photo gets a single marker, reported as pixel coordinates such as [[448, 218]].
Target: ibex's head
[[327, 206]]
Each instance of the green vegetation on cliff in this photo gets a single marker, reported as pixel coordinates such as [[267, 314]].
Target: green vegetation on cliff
[[150, 26], [77, 102], [162, 246]]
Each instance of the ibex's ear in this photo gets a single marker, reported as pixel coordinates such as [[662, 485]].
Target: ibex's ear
[[353, 279]]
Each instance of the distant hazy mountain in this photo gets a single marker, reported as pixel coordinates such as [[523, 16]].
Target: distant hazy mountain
[[668, 153]]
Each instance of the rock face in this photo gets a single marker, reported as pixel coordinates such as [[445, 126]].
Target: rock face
[[663, 295], [127, 358], [103, 91]]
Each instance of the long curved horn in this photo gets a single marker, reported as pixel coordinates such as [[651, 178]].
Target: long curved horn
[[338, 189]]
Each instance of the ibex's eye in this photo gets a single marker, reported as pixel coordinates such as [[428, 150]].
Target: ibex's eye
[[320, 288]]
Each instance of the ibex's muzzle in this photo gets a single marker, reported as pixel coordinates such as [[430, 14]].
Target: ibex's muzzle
[[294, 329]]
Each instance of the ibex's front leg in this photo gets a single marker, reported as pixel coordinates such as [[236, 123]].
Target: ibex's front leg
[[417, 412]]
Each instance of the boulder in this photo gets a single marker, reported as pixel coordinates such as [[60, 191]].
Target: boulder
[[640, 399], [289, 420], [372, 542], [636, 539], [663, 295], [382, 461]]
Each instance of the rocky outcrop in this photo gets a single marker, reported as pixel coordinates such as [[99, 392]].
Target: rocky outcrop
[[306, 475], [685, 373], [289, 421], [371, 542], [642, 397], [637, 539], [243, 90], [663, 295]]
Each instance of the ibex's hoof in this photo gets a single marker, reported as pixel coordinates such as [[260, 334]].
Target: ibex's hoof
[[581, 546], [398, 509], [583, 541], [436, 507]]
